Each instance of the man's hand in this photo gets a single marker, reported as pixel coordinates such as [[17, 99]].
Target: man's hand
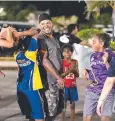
[[32, 32], [99, 108], [60, 83], [12, 29]]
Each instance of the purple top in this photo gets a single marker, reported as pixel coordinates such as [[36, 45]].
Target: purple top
[[98, 71]]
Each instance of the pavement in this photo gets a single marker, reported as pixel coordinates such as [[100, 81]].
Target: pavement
[[9, 109], [8, 65]]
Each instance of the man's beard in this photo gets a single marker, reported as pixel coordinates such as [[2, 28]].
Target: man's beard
[[47, 32]]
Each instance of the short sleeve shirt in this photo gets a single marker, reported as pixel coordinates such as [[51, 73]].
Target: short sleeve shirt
[[111, 70], [51, 46]]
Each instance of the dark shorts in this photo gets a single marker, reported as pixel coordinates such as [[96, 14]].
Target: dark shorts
[[71, 94], [111, 70], [30, 104]]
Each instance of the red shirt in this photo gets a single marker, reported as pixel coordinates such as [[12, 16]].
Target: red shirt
[[70, 79]]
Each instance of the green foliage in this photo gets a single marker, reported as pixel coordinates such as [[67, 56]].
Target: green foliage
[[15, 12], [85, 26], [85, 34], [104, 19], [112, 45], [95, 6], [60, 23]]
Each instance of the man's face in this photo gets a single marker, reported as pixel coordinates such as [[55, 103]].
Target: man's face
[[46, 26]]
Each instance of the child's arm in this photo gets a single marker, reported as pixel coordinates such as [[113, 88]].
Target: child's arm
[[76, 69], [73, 69]]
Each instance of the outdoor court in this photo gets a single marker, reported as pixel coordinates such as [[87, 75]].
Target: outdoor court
[[9, 110]]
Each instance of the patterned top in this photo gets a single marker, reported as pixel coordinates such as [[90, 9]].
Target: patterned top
[[28, 76]]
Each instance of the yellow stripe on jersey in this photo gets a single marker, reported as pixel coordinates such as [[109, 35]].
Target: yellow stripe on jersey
[[15, 55], [31, 55], [37, 83]]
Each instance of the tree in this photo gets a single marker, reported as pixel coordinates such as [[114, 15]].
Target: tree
[[15, 12], [61, 23], [95, 7]]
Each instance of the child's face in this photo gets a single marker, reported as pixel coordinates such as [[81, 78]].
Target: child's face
[[96, 44], [67, 53]]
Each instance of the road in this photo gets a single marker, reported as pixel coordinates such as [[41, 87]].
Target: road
[[9, 110]]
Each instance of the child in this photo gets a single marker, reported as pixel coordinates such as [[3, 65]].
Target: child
[[99, 64], [29, 80], [70, 72], [6, 40]]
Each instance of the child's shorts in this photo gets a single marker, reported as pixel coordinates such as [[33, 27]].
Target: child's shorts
[[91, 100], [71, 94], [30, 104]]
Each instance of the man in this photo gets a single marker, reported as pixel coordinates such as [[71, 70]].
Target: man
[[109, 83], [72, 31], [50, 67]]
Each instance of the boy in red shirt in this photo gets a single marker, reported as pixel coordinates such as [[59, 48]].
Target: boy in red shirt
[[70, 73]]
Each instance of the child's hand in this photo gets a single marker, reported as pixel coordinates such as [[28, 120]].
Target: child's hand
[[12, 29], [105, 57], [84, 74], [63, 75]]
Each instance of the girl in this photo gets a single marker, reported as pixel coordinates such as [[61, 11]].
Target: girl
[[99, 64], [29, 80], [6, 40]]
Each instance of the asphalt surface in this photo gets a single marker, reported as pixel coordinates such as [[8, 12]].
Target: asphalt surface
[[9, 109]]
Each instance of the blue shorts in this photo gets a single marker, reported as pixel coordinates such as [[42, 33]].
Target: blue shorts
[[71, 94], [30, 104]]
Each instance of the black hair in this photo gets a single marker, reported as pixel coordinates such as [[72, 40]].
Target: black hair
[[68, 46], [104, 38], [23, 44], [71, 27], [44, 16]]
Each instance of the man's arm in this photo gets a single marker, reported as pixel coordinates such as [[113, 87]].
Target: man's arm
[[49, 68], [110, 81], [46, 63], [107, 88], [30, 32]]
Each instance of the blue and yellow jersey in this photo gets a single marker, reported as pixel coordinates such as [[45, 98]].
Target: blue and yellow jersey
[[29, 75]]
